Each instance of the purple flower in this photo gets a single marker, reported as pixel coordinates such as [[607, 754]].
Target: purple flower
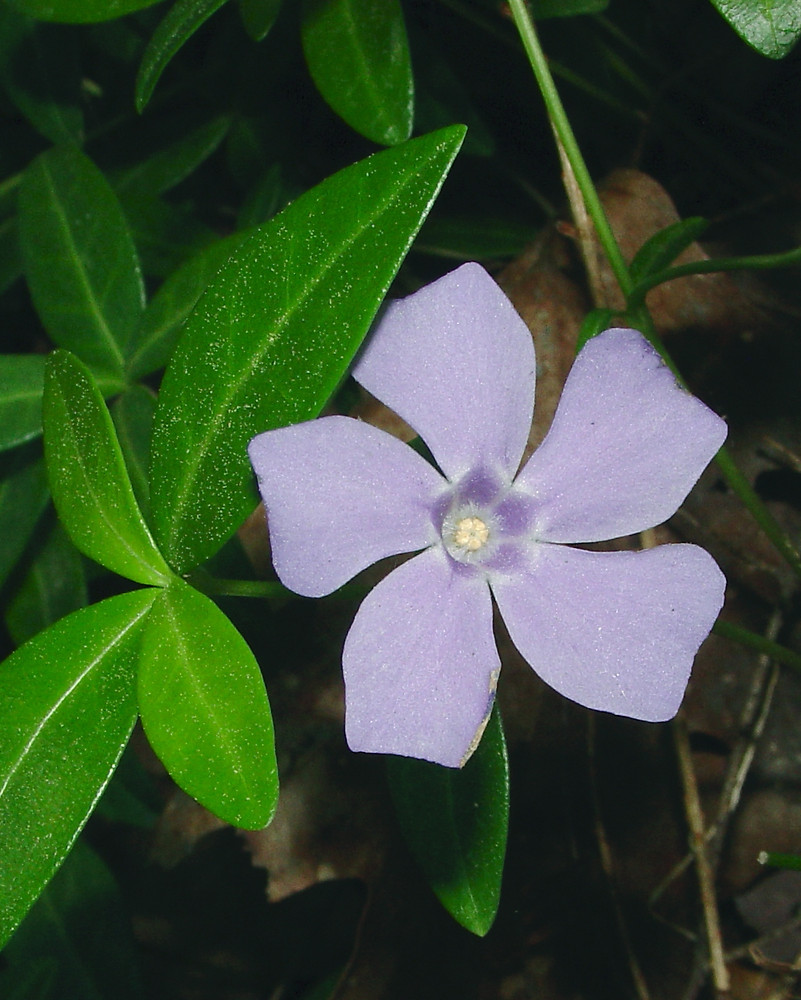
[[612, 630]]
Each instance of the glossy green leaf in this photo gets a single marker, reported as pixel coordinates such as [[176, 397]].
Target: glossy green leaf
[[258, 16], [79, 258], [166, 235], [132, 796], [23, 498], [88, 478], [53, 586], [41, 76], [205, 710], [10, 256], [274, 333], [455, 823], [79, 11], [21, 381], [162, 170], [473, 238], [173, 302], [358, 56], [133, 412], [178, 26], [81, 922], [67, 708], [771, 27], [664, 247]]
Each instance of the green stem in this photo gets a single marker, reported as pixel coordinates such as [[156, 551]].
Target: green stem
[[562, 127], [758, 262], [637, 311], [754, 640], [212, 586]]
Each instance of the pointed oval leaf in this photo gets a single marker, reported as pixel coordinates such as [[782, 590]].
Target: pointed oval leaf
[[21, 381], [455, 823], [67, 708], [88, 478], [664, 247], [173, 302], [160, 170], [79, 258], [42, 76], [771, 27], [258, 16], [81, 921], [358, 55], [133, 412], [274, 333], [79, 11], [23, 498], [205, 709], [181, 22], [53, 586]]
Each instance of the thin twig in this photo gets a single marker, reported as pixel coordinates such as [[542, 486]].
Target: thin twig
[[706, 883], [585, 231], [752, 725]]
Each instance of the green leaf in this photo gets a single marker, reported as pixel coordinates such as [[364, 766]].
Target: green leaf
[[473, 238], [664, 247], [23, 498], [258, 16], [178, 26], [21, 381], [167, 167], [133, 412], [358, 56], [41, 76], [166, 235], [80, 920], [455, 824], [79, 259], [88, 479], [10, 257], [274, 333], [67, 708], [595, 322], [79, 11], [771, 27], [173, 302], [205, 710], [54, 585]]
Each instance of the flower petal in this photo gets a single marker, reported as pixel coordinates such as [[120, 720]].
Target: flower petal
[[626, 445], [457, 363], [420, 663], [615, 631], [340, 495]]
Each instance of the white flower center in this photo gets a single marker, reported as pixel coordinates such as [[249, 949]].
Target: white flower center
[[470, 534]]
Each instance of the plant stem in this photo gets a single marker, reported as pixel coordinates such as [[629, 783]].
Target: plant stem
[[562, 128], [637, 311], [775, 650], [758, 262], [213, 586]]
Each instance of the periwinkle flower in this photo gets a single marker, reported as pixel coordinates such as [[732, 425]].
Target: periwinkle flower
[[615, 631]]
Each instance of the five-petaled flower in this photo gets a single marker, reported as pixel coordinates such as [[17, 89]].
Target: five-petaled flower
[[616, 631]]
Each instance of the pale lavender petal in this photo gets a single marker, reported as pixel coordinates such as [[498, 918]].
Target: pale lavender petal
[[420, 663], [615, 631], [340, 495], [457, 363], [626, 444]]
